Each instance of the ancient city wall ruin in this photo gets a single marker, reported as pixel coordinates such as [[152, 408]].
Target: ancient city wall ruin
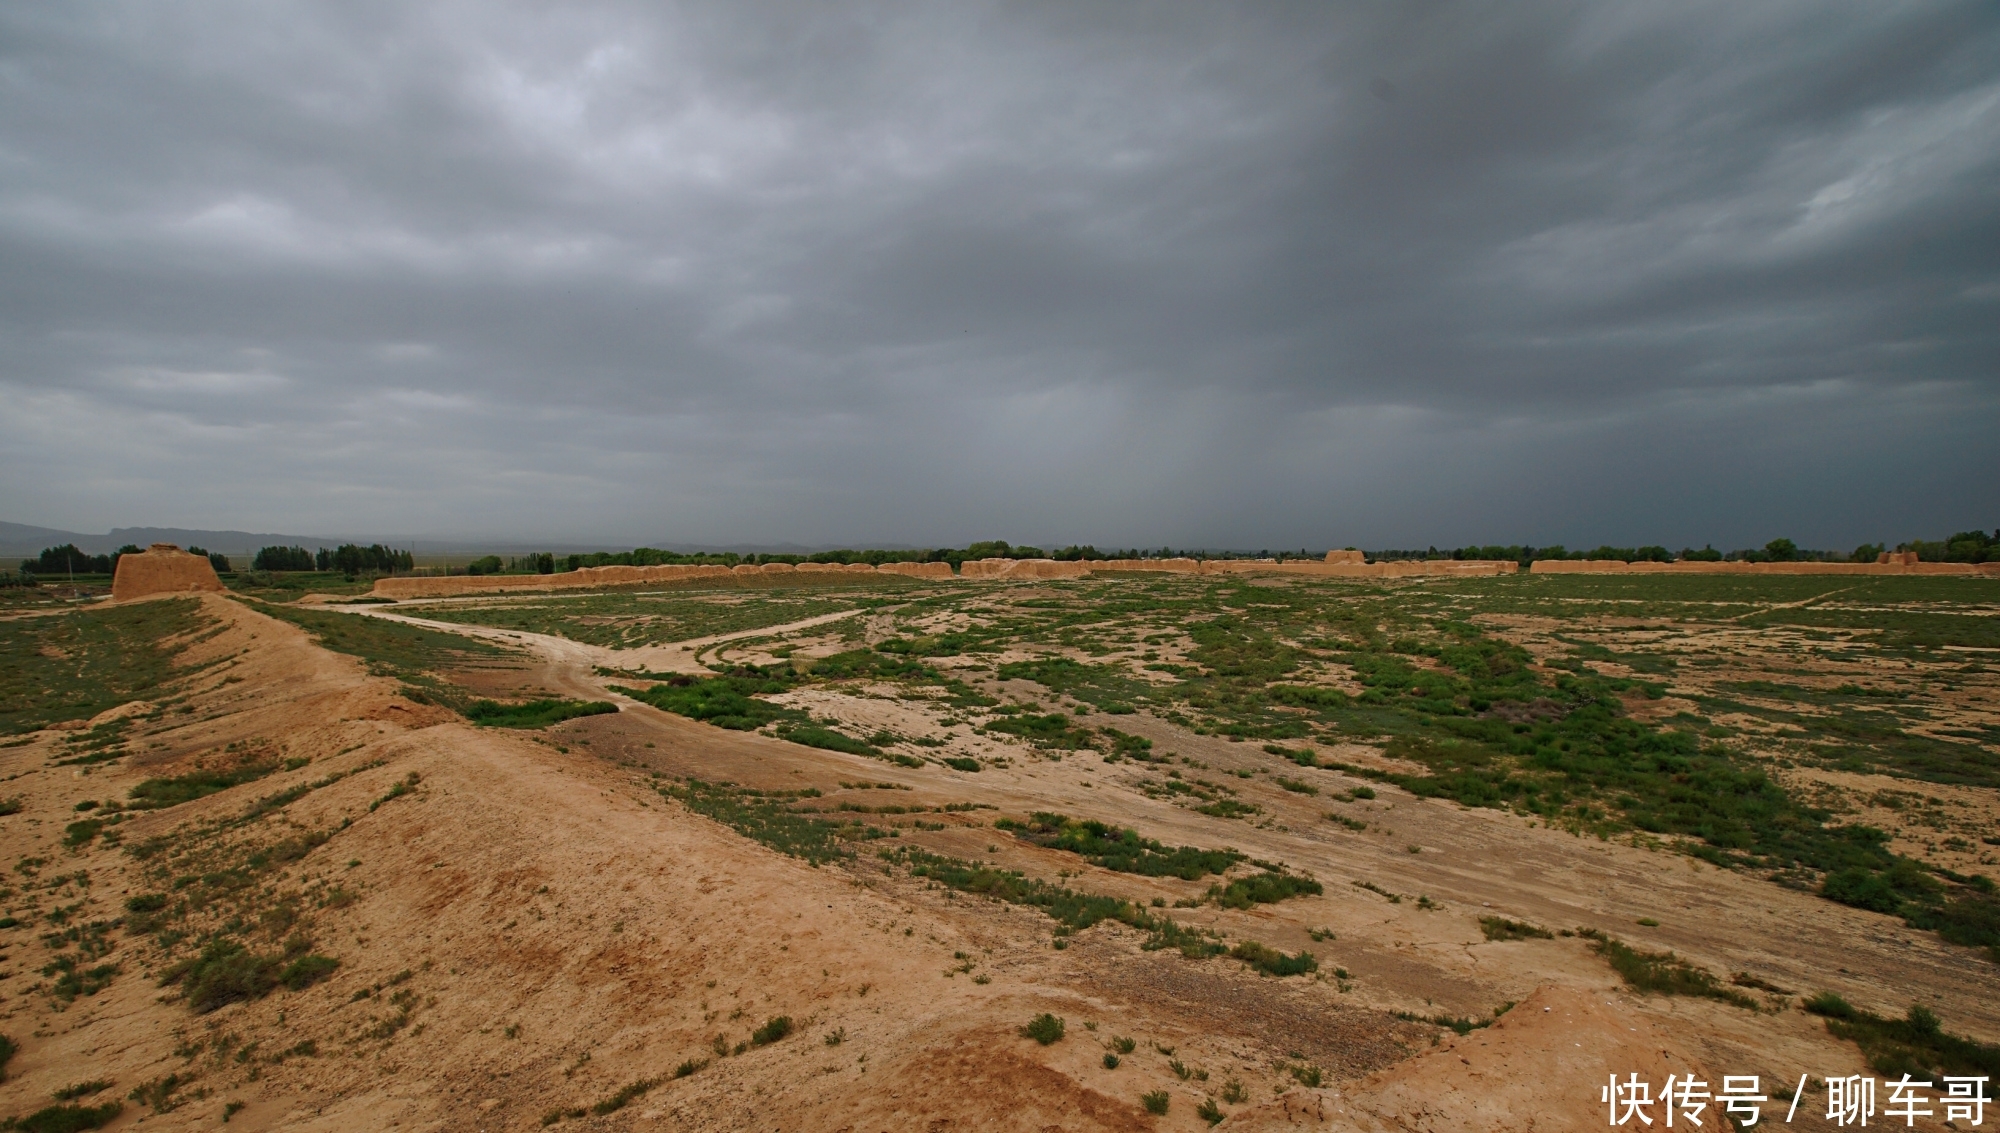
[[162, 568], [1338, 564]]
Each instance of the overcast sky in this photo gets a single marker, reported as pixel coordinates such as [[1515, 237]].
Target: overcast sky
[[837, 273]]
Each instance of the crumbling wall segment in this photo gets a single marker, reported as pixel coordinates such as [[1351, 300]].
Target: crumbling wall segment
[[163, 568]]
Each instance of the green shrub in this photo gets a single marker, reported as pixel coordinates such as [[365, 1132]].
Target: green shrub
[[1267, 888], [624, 1096], [1666, 973], [1273, 962], [960, 763], [727, 701], [690, 1067], [82, 1090], [146, 903], [813, 735], [534, 713], [1209, 1111], [8, 1049], [307, 970], [155, 793], [1916, 1044], [1110, 1061], [1119, 848], [773, 1029], [1044, 1029], [67, 1118], [1500, 928], [1156, 1102], [224, 973]]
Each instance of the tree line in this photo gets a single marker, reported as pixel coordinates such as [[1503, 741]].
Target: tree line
[[349, 559], [67, 560]]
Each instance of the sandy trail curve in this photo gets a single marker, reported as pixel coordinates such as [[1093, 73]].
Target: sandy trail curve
[[581, 659]]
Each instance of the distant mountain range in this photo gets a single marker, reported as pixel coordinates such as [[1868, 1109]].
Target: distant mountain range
[[21, 540]]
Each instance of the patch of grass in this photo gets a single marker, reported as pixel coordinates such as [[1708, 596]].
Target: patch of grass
[[1208, 1111], [307, 970], [1267, 888], [775, 1028], [766, 817], [961, 763], [1663, 973], [1500, 928], [1156, 1102], [1119, 848], [1273, 962], [73, 980], [1295, 786], [815, 735], [153, 794], [8, 1049], [67, 1118], [534, 713], [625, 1096], [1051, 730], [158, 1093], [690, 1067], [225, 972], [74, 665], [726, 701], [1045, 1029], [1228, 808], [82, 1090], [410, 653], [1916, 1044]]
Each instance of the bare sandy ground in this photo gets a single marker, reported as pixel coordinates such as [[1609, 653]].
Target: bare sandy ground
[[567, 932]]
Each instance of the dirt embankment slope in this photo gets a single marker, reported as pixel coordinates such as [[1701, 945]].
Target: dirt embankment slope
[[525, 931]]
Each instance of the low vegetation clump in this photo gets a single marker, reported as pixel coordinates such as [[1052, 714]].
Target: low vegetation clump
[[725, 701], [153, 794], [1663, 973], [1050, 730], [1500, 928], [1266, 888], [228, 972], [626, 1094], [1044, 1029], [534, 713], [1273, 962], [1916, 1044], [1156, 1102], [67, 1118], [774, 1029], [766, 816], [1119, 848]]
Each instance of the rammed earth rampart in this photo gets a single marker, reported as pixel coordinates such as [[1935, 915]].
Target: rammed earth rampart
[[1338, 564]]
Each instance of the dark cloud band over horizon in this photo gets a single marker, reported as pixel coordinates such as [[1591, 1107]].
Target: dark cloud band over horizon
[[1221, 275]]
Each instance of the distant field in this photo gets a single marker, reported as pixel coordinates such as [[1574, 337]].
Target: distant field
[[1713, 712], [623, 620]]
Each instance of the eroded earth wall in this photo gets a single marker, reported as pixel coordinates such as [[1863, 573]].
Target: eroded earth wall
[[162, 568]]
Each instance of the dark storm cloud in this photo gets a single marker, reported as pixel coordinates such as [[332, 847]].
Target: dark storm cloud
[[1265, 276]]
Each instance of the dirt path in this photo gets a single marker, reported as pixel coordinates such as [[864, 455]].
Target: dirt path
[[573, 659]]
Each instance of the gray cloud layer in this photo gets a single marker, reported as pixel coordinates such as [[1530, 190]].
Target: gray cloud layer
[[1207, 274]]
